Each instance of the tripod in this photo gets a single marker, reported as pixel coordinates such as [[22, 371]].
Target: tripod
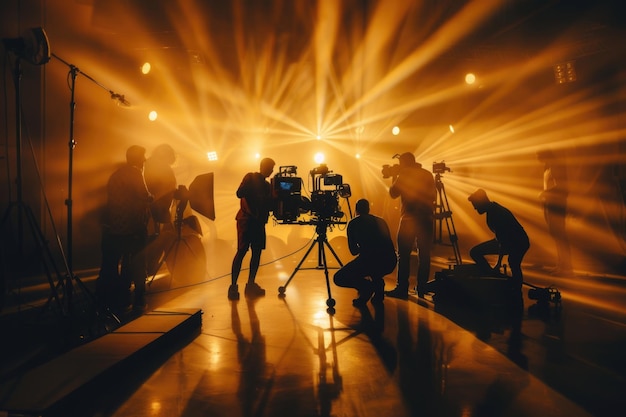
[[443, 212], [321, 226]]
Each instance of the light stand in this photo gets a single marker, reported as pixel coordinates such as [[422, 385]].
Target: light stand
[[34, 48], [71, 277], [321, 226], [73, 73], [200, 197], [183, 196]]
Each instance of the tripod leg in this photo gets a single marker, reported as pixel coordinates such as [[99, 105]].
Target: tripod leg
[[38, 238], [454, 240], [283, 288], [176, 248], [41, 246], [100, 312], [330, 302], [333, 252]]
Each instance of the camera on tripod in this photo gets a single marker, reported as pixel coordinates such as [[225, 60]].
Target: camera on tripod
[[328, 188], [440, 167]]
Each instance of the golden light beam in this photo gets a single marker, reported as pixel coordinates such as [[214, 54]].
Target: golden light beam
[[459, 25], [350, 83]]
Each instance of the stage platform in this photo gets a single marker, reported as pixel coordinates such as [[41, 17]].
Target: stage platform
[[65, 381]]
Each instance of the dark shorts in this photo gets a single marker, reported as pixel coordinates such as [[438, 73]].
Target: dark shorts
[[250, 233]]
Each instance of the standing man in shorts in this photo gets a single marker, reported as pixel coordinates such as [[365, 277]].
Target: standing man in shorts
[[256, 202]]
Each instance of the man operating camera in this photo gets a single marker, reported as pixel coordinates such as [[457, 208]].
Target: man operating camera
[[417, 191]]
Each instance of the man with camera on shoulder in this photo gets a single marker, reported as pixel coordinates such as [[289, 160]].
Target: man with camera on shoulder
[[417, 191]]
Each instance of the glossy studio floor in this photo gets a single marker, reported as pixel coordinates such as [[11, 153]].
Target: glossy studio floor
[[291, 356]]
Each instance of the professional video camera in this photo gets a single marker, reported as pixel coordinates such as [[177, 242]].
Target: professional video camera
[[440, 167], [327, 189], [389, 171], [323, 205], [289, 201]]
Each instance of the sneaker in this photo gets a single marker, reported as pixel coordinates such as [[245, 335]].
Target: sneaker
[[398, 292], [364, 297], [233, 292], [253, 290], [420, 294], [360, 302], [139, 305]]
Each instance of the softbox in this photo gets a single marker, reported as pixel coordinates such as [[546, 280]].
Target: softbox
[[33, 46], [201, 195]]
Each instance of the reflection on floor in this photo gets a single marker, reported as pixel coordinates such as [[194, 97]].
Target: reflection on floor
[[276, 356]]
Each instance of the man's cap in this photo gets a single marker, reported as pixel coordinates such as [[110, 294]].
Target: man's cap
[[478, 196], [407, 158]]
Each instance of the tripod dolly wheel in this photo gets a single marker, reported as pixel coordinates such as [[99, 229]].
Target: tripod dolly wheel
[[330, 302], [281, 291]]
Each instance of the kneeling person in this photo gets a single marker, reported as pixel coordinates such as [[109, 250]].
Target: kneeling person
[[369, 239]]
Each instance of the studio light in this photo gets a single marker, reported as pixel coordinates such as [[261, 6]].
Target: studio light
[[33, 46], [201, 195], [564, 72]]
